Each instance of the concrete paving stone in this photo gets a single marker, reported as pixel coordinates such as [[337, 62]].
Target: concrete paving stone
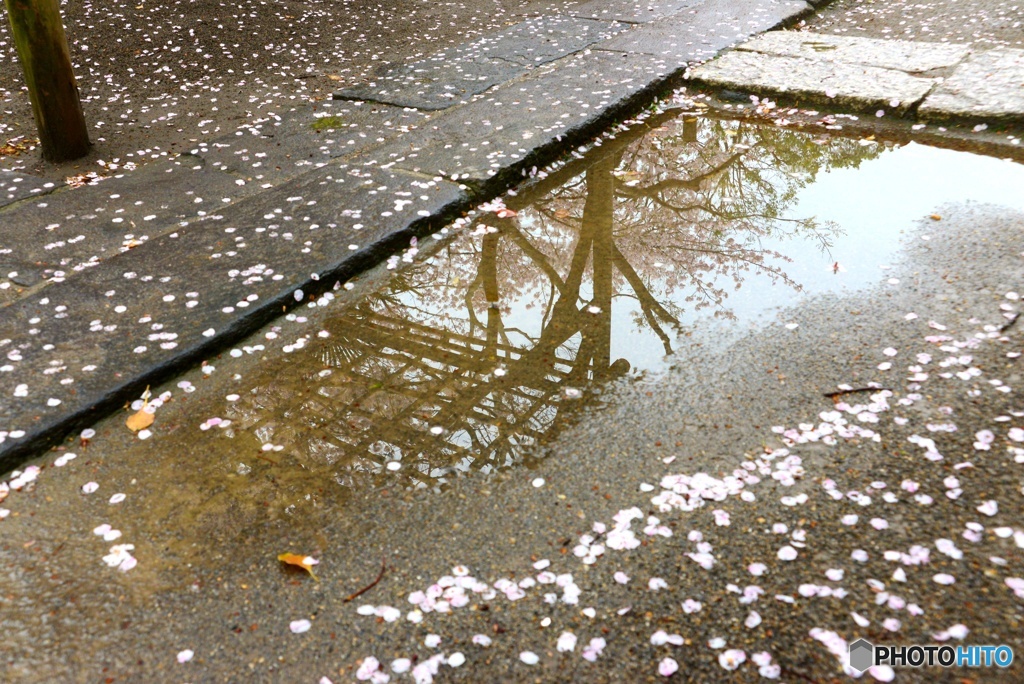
[[435, 83], [79, 227], [632, 11], [16, 186], [497, 136], [903, 55], [843, 85], [283, 145], [542, 39], [131, 320], [451, 76], [70, 230], [699, 33], [987, 86]]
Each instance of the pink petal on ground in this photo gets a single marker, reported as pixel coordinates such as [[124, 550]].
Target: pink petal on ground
[[668, 667]]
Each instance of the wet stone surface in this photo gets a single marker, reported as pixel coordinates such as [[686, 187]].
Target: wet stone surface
[[630, 11], [983, 24], [987, 86], [68, 232], [432, 85], [901, 55], [845, 85], [135, 315], [948, 81], [505, 130], [285, 145], [699, 33], [15, 186], [453, 75]]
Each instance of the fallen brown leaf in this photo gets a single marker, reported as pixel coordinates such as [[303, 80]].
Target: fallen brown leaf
[[304, 562], [140, 420]]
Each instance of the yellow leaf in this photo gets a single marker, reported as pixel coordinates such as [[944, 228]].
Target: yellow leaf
[[935, 217], [140, 420], [304, 562]]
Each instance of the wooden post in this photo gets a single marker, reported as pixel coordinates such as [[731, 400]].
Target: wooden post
[[46, 61]]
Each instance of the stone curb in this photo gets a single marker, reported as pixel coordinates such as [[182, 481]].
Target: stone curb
[[931, 81]]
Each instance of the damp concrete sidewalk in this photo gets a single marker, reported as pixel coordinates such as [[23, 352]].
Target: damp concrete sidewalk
[[114, 286]]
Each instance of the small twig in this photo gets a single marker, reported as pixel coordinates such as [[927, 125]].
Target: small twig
[[1006, 326], [268, 460], [839, 393], [371, 585]]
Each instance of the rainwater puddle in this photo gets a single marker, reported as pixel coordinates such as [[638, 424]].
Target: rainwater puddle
[[488, 341]]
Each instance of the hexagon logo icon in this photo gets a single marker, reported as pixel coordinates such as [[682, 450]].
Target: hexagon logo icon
[[862, 655]]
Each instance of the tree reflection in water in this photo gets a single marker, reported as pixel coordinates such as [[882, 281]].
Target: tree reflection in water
[[506, 330]]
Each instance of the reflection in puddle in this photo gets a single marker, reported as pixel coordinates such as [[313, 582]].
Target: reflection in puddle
[[499, 335]]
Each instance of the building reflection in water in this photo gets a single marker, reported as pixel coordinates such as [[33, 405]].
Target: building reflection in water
[[491, 340]]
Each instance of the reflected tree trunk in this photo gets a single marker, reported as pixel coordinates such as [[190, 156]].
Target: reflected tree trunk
[[599, 211], [489, 276]]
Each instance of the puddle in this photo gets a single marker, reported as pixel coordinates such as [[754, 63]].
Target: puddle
[[485, 343], [488, 340]]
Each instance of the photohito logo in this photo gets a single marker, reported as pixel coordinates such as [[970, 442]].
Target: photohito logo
[[864, 654]]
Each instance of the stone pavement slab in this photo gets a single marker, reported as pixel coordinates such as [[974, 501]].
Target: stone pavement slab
[[541, 40], [286, 145], [988, 86], [944, 81], [451, 76], [71, 230], [497, 136], [15, 186], [74, 229], [845, 85], [435, 83], [701, 32], [902, 55], [74, 351], [632, 11]]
